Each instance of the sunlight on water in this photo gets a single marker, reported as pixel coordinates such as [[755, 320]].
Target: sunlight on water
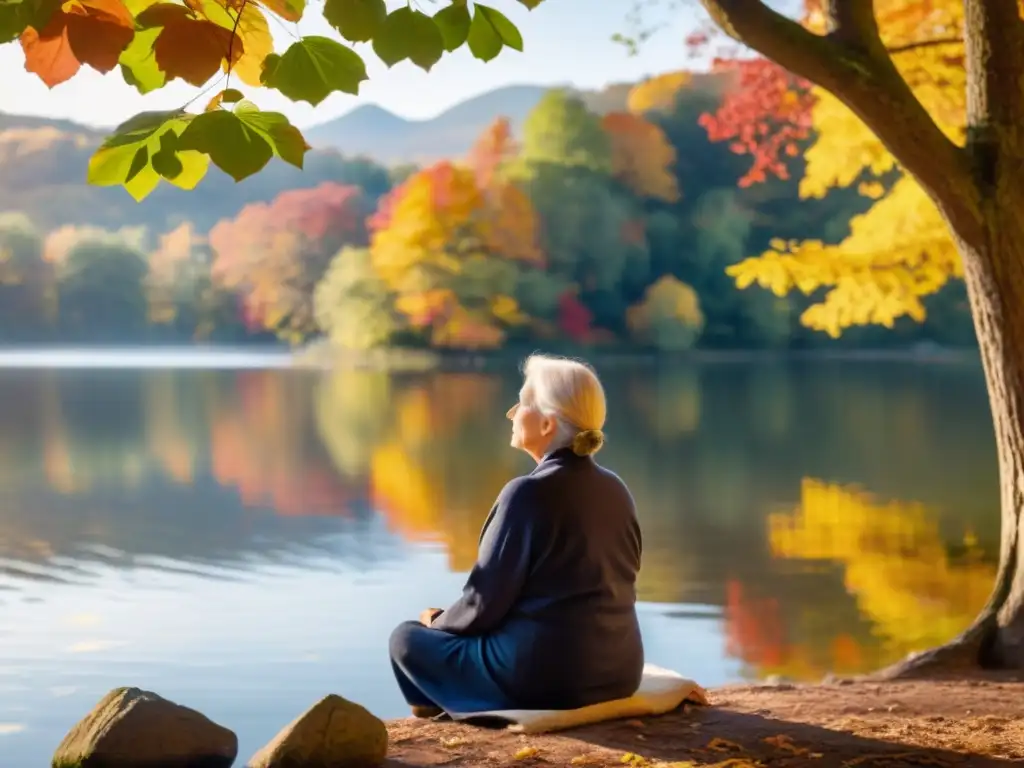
[[143, 358], [243, 538]]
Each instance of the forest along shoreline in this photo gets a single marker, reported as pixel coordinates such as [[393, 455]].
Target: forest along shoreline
[[976, 722]]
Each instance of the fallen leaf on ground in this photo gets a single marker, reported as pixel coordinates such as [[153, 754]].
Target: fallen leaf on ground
[[723, 745]]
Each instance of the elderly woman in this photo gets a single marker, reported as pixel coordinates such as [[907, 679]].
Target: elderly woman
[[547, 618]]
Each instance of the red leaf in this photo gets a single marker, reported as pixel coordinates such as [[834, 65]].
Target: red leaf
[[765, 114], [189, 47]]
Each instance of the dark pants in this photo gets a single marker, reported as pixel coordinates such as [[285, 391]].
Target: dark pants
[[438, 669]]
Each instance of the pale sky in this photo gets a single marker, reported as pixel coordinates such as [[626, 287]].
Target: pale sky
[[566, 42]]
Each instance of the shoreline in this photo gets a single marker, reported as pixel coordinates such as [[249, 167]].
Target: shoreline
[[975, 723], [405, 360]]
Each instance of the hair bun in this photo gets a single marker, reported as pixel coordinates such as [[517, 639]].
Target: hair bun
[[587, 442]]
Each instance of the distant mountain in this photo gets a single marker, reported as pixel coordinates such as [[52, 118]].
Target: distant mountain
[[43, 161], [374, 132]]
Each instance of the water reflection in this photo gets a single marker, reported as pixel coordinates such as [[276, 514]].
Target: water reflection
[[798, 519]]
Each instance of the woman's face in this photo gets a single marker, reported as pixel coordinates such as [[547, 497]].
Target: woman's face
[[532, 431]]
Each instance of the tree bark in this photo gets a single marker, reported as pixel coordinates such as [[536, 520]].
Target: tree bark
[[994, 274], [993, 259]]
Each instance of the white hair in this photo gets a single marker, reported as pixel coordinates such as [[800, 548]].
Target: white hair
[[569, 392]]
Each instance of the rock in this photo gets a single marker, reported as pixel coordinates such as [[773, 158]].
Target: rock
[[131, 728], [333, 733]]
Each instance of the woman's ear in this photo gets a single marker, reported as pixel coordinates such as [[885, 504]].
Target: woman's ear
[[548, 426]]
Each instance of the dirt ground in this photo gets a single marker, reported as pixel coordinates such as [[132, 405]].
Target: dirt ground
[[976, 723]]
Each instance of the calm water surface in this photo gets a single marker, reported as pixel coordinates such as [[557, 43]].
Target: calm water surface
[[243, 541]]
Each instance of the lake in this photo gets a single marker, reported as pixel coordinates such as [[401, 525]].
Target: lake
[[243, 539]]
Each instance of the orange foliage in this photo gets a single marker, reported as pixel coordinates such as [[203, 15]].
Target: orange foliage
[[492, 150], [92, 32], [276, 253], [754, 630], [441, 227], [642, 157], [166, 263], [257, 446]]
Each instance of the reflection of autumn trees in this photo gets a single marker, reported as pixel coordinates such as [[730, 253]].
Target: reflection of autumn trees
[[910, 589], [165, 464], [262, 442], [834, 582], [434, 450], [78, 431]]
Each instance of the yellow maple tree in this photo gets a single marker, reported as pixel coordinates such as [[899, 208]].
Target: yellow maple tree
[[901, 249]]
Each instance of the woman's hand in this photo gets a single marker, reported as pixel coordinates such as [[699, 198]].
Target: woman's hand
[[428, 616]]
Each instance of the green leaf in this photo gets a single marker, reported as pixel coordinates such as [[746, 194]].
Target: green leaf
[[131, 155], [166, 162], [453, 22], [139, 163], [233, 146], [312, 68], [530, 4], [284, 138], [17, 15], [138, 62], [242, 142], [489, 31], [409, 34], [356, 20]]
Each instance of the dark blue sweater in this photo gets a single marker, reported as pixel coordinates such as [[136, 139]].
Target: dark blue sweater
[[552, 595]]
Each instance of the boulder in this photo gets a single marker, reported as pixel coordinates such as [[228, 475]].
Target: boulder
[[131, 728], [333, 733]]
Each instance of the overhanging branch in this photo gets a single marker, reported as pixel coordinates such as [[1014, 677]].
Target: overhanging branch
[[916, 46], [852, 22], [851, 63], [994, 48]]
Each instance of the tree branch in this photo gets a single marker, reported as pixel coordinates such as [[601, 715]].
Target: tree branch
[[852, 22], [897, 49], [851, 63], [994, 49]]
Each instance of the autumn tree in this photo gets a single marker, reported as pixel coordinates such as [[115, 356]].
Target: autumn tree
[[101, 291], [588, 223], [935, 91], [642, 157], [28, 300], [669, 317], [449, 249], [275, 253], [353, 305]]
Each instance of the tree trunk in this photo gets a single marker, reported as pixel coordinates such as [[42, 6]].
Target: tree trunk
[[994, 274]]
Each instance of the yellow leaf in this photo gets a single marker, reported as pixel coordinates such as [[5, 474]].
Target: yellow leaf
[[257, 44]]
